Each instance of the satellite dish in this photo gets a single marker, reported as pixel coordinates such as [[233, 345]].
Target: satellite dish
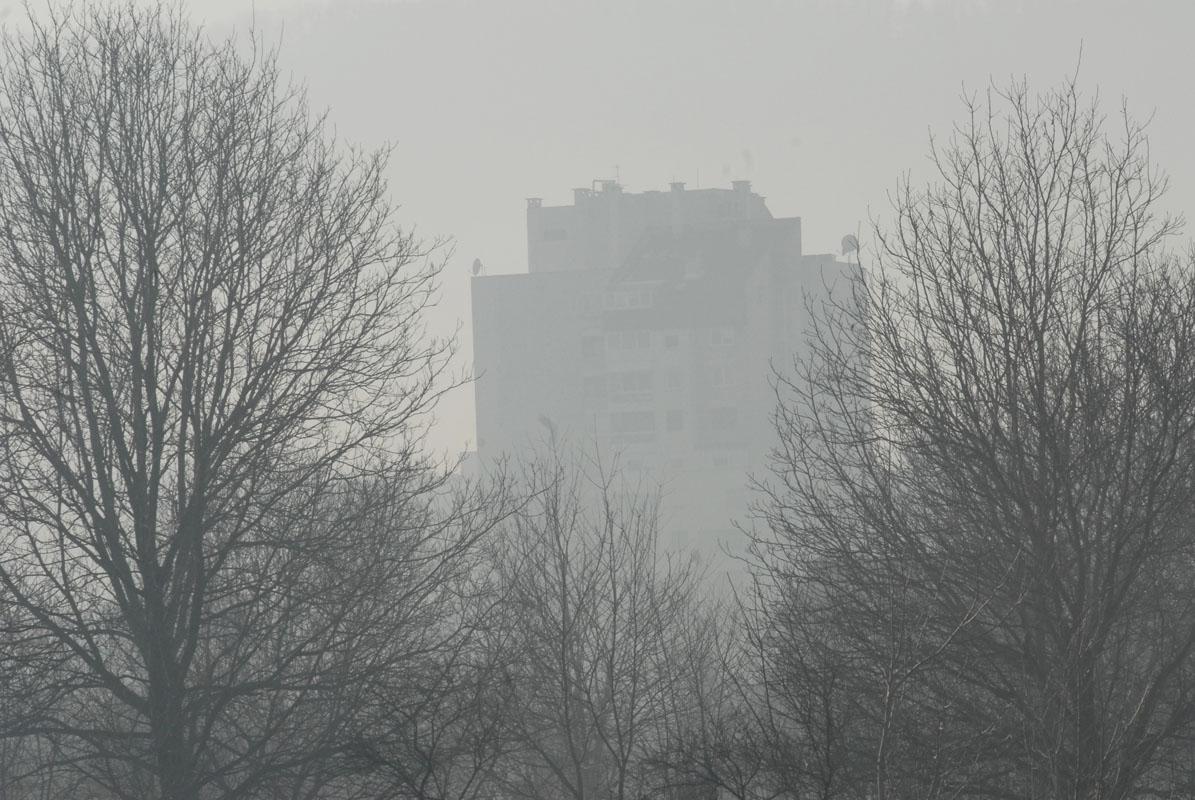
[[850, 244], [477, 266]]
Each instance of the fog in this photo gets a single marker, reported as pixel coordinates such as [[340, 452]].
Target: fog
[[821, 105], [705, 401]]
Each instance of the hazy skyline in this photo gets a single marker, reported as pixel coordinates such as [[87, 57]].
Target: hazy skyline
[[822, 105]]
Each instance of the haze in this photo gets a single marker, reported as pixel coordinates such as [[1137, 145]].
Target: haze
[[822, 105]]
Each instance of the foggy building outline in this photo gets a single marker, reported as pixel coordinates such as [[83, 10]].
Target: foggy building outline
[[646, 327]]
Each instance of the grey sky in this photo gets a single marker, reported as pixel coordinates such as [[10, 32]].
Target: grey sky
[[821, 104]]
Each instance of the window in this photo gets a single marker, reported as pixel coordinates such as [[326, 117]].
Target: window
[[617, 299], [638, 381], [629, 340], [675, 420], [721, 337], [591, 346], [671, 341], [641, 298], [635, 386]]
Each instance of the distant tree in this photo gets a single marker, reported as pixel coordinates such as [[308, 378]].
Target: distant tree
[[596, 610], [719, 741], [980, 541], [436, 725], [213, 380]]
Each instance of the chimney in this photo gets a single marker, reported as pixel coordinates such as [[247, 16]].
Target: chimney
[[677, 186], [534, 202], [741, 186]]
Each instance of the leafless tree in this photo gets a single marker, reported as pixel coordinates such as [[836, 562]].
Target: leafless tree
[[213, 378], [982, 511], [596, 607], [769, 711], [437, 723], [715, 741]]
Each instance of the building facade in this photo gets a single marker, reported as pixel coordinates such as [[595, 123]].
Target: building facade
[[647, 325]]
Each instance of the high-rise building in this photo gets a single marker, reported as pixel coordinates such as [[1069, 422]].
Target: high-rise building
[[647, 324]]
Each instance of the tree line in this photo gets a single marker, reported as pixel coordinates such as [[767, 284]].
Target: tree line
[[228, 569]]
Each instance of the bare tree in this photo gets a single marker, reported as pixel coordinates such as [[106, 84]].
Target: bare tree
[[437, 725], [769, 709], [982, 507], [213, 379], [596, 608], [715, 741]]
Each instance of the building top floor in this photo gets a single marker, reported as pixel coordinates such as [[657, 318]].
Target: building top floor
[[604, 224]]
